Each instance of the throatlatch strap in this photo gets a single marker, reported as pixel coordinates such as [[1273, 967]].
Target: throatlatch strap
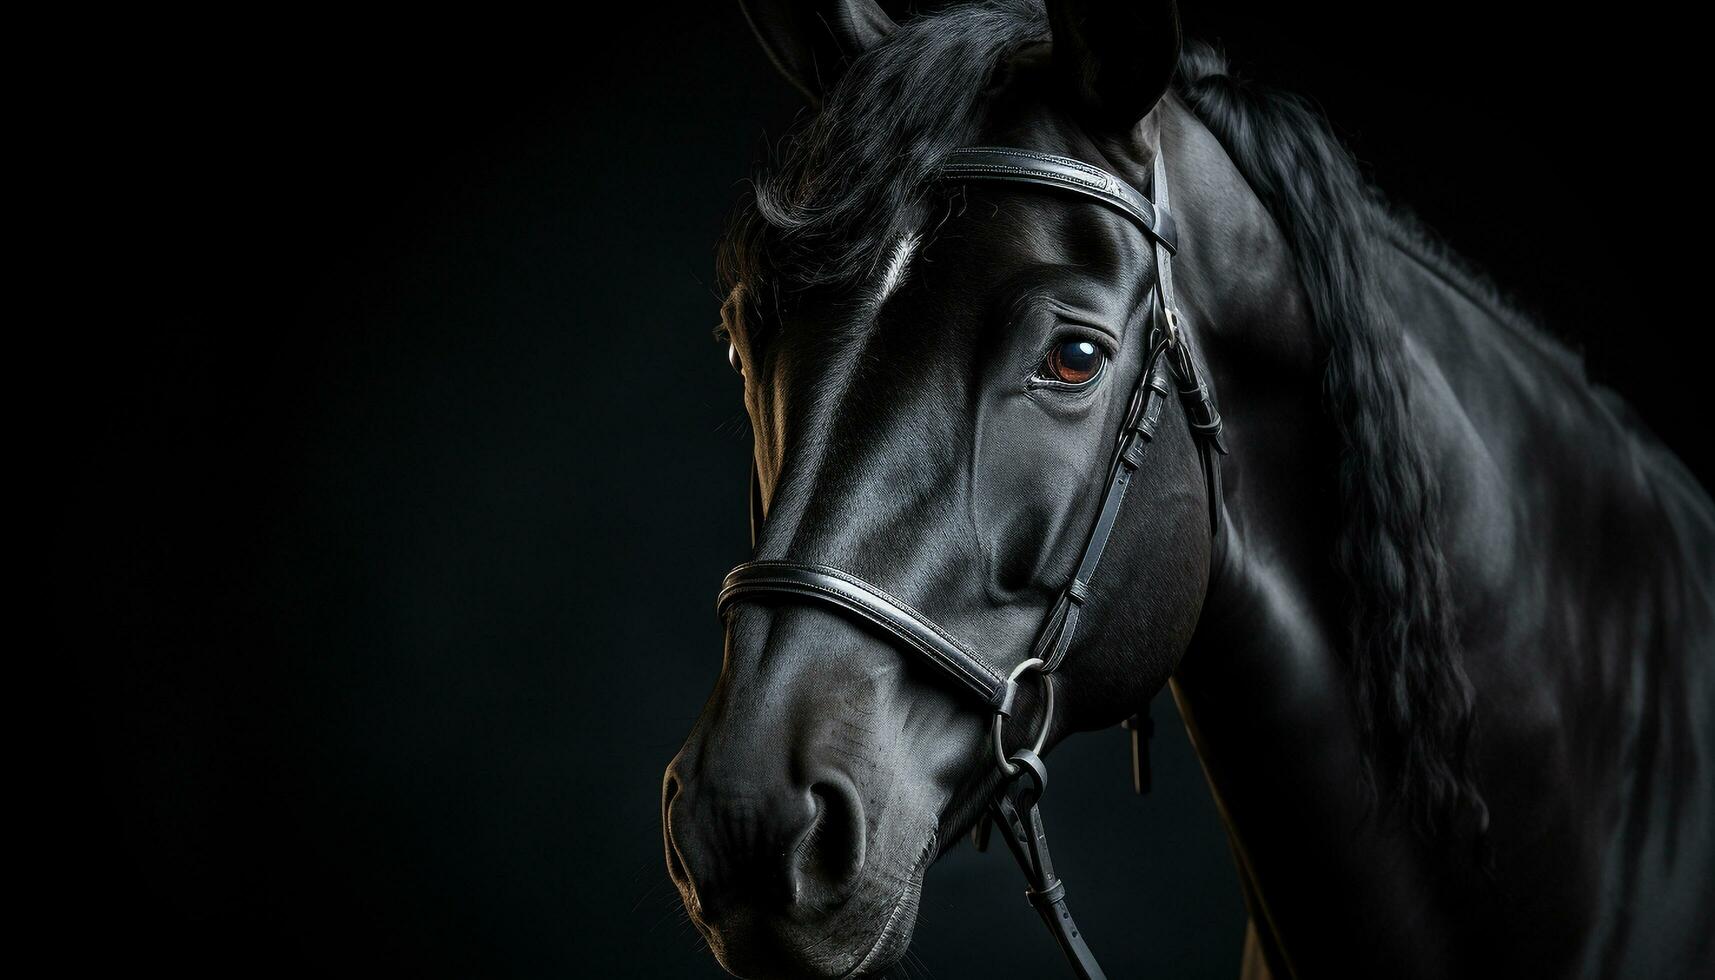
[[1194, 391]]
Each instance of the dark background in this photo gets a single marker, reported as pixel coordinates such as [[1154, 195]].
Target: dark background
[[394, 465]]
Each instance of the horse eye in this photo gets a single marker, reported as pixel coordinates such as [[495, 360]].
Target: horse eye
[[732, 358], [1073, 362]]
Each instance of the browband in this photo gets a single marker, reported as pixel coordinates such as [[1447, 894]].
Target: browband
[[1015, 166]]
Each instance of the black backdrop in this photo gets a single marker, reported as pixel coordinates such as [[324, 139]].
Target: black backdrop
[[399, 464]]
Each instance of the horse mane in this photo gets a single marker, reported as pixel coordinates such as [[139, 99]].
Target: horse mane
[[1415, 706], [854, 177]]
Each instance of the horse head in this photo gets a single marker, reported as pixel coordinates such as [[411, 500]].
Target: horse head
[[935, 371]]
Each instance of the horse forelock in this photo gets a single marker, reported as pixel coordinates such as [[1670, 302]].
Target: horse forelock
[[849, 183]]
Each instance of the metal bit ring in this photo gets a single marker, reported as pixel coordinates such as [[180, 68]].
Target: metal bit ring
[[1000, 754]]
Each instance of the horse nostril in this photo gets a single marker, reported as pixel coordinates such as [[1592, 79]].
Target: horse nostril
[[830, 853], [675, 861]]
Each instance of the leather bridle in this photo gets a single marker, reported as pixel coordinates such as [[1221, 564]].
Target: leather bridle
[[1170, 367]]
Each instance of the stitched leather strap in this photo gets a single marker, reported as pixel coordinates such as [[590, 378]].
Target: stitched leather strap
[[832, 586], [1194, 391], [1014, 811], [1009, 165]]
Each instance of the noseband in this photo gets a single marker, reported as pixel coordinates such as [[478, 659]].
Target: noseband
[[1170, 367]]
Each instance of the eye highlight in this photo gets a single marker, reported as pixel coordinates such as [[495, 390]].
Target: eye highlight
[[1072, 362]]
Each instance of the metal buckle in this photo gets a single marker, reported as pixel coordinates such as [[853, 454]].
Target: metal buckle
[[1173, 330], [1005, 711]]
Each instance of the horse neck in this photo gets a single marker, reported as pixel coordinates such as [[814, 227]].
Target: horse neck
[[1481, 379], [1264, 685], [1536, 471]]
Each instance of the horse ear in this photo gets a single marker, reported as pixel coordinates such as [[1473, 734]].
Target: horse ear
[[812, 41], [1115, 57]]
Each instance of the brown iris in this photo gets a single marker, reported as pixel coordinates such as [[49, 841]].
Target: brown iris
[[1073, 362]]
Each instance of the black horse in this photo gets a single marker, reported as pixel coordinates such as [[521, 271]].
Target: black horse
[[1449, 662]]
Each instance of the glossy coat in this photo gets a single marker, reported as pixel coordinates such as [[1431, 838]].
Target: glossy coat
[[900, 434]]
